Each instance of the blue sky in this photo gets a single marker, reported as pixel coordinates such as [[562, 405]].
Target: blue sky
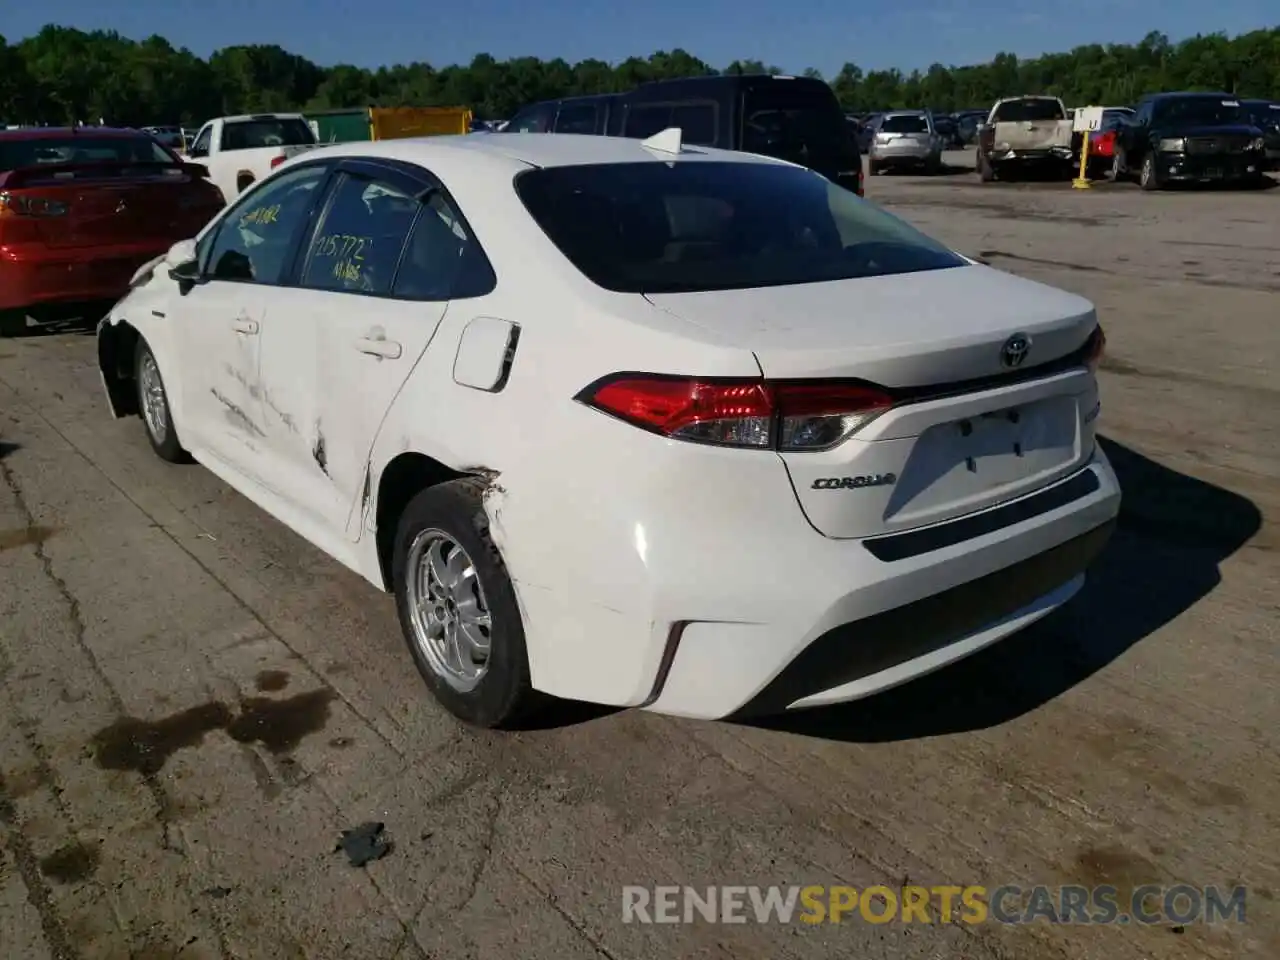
[[820, 33]]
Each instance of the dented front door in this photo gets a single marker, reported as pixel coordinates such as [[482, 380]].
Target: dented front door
[[218, 326]]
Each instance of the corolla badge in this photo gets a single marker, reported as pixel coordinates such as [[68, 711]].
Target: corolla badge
[[1015, 350], [855, 483]]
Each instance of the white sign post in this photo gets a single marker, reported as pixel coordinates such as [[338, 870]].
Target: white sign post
[[1085, 120]]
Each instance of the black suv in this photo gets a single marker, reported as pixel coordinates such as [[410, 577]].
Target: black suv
[[1188, 137], [791, 118]]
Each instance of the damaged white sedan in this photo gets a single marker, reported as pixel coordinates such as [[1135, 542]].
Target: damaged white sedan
[[629, 422]]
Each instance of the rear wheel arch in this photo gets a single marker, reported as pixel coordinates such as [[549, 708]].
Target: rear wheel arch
[[244, 179], [403, 478]]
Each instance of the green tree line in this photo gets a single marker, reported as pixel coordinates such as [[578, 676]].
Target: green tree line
[[63, 75]]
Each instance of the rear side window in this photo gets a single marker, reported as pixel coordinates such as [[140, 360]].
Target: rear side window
[[356, 245], [683, 227], [904, 123], [77, 148], [697, 121], [1029, 110], [268, 132], [443, 260], [577, 118]]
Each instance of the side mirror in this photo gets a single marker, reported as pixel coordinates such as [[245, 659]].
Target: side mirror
[[183, 263]]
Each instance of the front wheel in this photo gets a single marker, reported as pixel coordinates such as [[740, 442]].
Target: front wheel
[[986, 172], [1148, 179], [458, 609], [153, 404]]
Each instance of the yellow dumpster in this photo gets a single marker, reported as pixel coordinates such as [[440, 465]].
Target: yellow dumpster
[[392, 123]]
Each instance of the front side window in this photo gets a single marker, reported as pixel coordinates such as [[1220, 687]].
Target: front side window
[[253, 243], [535, 119], [672, 228], [800, 125], [578, 118], [356, 245], [200, 147]]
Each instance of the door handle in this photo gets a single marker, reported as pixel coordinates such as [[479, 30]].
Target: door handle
[[383, 349], [245, 325]]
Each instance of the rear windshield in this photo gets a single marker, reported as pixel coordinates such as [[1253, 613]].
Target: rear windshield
[[1206, 111], [77, 148], [683, 227], [1022, 111], [905, 123], [271, 132], [800, 124]]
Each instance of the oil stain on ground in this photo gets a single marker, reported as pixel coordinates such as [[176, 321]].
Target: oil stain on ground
[[31, 536], [144, 746], [271, 681], [71, 863]]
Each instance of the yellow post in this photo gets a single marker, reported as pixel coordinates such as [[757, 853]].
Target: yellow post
[[1082, 182]]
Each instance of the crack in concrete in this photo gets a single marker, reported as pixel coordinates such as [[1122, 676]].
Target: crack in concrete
[[38, 894], [164, 807]]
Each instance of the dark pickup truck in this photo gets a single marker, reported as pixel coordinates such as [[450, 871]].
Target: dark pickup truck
[[1190, 138], [791, 118]]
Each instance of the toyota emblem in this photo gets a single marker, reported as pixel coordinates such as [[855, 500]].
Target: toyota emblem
[[1015, 350]]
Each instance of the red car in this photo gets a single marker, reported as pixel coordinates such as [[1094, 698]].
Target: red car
[[81, 209]]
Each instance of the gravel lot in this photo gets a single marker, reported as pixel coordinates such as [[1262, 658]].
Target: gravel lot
[[194, 702]]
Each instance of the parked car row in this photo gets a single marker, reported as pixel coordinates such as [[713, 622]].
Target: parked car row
[[1166, 138]]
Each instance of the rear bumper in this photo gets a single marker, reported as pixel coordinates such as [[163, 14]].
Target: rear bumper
[[913, 156], [1218, 167], [34, 276], [883, 623], [1036, 155]]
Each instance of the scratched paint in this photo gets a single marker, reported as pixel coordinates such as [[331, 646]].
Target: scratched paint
[[236, 415]]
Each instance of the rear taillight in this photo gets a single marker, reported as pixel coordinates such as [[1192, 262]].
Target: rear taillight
[[760, 414], [276, 161], [21, 205], [1095, 348]]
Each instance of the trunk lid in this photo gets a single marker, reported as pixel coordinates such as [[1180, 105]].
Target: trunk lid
[[108, 205], [966, 431]]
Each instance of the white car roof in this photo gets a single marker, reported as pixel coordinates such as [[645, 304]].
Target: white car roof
[[518, 151]]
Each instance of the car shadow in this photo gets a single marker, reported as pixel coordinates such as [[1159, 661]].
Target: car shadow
[[1173, 533], [7, 448]]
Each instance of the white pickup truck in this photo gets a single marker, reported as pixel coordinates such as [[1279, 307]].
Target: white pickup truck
[[1021, 132], [239, 150]]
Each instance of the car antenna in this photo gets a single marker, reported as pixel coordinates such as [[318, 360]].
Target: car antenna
[[665, 141]]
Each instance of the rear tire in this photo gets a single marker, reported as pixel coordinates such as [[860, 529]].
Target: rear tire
[[153, 406], [13, 323], [873, 169], [454, 597]]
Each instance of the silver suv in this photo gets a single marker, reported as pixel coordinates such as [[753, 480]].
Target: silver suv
[[905, 138]]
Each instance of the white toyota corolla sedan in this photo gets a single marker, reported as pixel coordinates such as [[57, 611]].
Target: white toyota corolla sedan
[[628, 421]]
